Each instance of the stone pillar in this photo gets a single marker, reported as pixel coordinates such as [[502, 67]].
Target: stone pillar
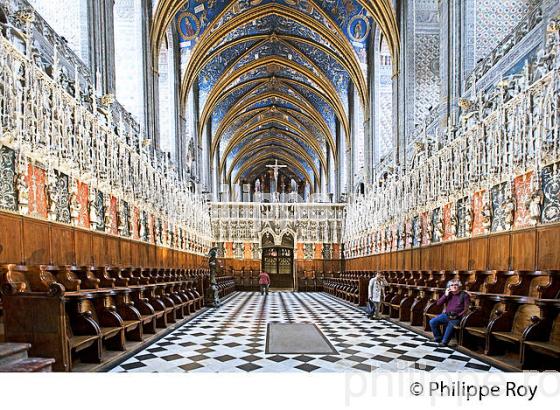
[[351, 149], [324, 178], [450, 60], [102, 51], [332, 173], [179, 137], [150, 89], [340, 154], [206, 159], [195, 107], [216, 176]]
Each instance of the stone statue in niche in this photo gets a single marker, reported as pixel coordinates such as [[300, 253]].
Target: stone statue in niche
[[534, 206], [468, 218], [108, 214], [293, 186], [486, 213], [453, 222], [409, 238], [93, 211], [75, 206], [142, 232], [23, 193], [52, 196], [439, 228], [429, 229], [508, 207]]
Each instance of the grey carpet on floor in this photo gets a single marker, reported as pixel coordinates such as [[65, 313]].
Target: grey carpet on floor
[[294, 338]]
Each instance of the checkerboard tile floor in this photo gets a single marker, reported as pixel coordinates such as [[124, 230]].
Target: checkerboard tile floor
[[232, 338]]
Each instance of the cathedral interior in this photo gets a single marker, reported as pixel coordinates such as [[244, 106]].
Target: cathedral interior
[[158, 155]]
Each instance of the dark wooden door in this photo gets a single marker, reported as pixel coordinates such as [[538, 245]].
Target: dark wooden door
[[279, 263]]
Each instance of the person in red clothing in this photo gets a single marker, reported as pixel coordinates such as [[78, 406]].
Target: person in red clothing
[[264, 282]]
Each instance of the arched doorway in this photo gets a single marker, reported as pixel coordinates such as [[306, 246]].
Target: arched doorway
[[278, 261]]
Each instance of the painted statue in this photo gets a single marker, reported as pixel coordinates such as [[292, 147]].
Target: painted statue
[[508, 207], [534, 206]]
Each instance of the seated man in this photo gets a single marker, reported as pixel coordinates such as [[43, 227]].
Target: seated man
[[264, 282], [457, 304]]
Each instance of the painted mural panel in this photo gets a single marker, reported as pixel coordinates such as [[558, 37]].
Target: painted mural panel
[[522, 194], [247, 254], [478, 204], [8, 194], [447, 226], [498, 195], [113, 212], [37, 183], [551, 191], [436, 221], [83, 204], [135, 223], [416, 231], [425, 232], [59, 206]]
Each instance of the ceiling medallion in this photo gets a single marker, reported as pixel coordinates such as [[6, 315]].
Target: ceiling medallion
[[358, 28], [188, 26]]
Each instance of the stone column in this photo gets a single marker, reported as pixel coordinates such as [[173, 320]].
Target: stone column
[[450, 60], [351, 149], [206, 159], [332, 173], [215, 176], [340, 154], [102, 50]]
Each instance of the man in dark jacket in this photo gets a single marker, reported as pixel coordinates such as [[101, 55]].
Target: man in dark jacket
[[456, 305]]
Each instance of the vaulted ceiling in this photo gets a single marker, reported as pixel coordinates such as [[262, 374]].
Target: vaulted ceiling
[[272, 77]]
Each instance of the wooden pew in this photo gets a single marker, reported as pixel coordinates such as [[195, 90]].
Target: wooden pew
[[510, 329], [473, 330], [541, 348], [65, 329]]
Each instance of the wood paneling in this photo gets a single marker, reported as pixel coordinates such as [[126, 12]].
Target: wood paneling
[[126, 259], [548, 243], [478, 254], [499, 252], [527, 249], [462, 255], [62, 245], [523, 250], [417, 259], [112, 250], [435, 257], [98, 253], [36, 241], [448, 254], [82, 246], [10, 239]]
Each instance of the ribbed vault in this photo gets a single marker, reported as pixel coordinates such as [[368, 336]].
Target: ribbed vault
[[275, 80]]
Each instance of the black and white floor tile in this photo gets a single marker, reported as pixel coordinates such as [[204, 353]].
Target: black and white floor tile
[[232, 338]]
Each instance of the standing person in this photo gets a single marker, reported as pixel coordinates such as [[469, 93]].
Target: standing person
[[457, 304], [376, 294], [264, 282]]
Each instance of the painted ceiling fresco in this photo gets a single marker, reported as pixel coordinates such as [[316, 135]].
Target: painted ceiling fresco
[[273, 78]]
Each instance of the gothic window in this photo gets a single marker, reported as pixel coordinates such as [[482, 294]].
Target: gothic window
[[129, 56]]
